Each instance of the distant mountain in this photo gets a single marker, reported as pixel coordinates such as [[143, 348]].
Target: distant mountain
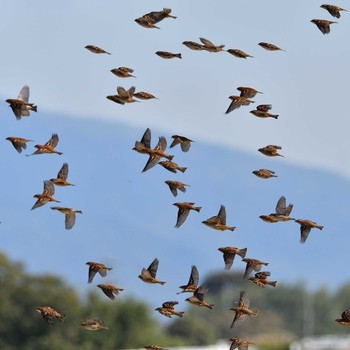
[[128, 218]]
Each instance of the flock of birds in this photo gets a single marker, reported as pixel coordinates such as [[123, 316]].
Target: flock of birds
[[22, 107]]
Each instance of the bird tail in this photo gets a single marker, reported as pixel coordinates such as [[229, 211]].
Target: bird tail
[[197, 209], [320, 227], [274, 116], [178, 55], [161, 282], [182, 169], [62, 318], [242, 253], [34, 108], [273, 283], [232, 228]]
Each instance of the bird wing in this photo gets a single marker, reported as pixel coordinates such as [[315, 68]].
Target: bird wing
[[63, 173], [153, 267], [222, 215], [194, 276], [49, 188], [207, 43], [69, 220], [146, 138], [182, 215], [228, 259], [244, 300], [24, 94], [53, 141]]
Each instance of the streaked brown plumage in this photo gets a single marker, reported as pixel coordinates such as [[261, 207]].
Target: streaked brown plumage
[[305, 228], [146, 22], [239, 53], [49, 314], [123, 72], [184, 142], [218, 222], [20, 105], [197, 298], [156, 154], [93, 324], [323, 25], [242, 310], [229, 254], [142, 95], [96, 49], [158, 16], [270, 47], [333, 10], [167, 309], [149, 275], [262, 111], [123, 96], [237, 102], [168, 55], [270, 151], [69, 215], [61, 179], [176, 185], [172, 166], [192, 283], [193, 45], [45, 196], [281, 214], [110, 290], [239, 343], [48, 147], [264, 173], [18, 143], [184, 210], [144, 145], [95, 267], [345, 318], [261, 280], [210, 47], [248, 92], [252, 265]]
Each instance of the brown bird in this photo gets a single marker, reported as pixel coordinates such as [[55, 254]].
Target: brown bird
[[93, 324], [242, 310], [176, 185], [123, 96], [48, 314], [168, 55], [110, 290], [192, 283], [248, 92], [261, 280], [154, 347], [218, 222], [209, 46], [229, 254], [237, 102], [95, 267], [158, 16], [323, 25], [123, 72], [172, 166], [305, 228], [281, 214], [345, 318], [18, 143], [48, 147], [270, 150], [167, 309], [198, 297], [252, 264], [142, 95], [264, 173], [333, 10], [184, 142], [269, 47], [193, 45], [46, 196], [239, 53], [61, 179], [20, 105], [96, 49], [261, 111], [149, 275], [184, 210], [144, 145], [146, 22], [69, 215], [239, 343]]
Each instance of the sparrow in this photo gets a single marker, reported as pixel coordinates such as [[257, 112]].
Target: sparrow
[[237, 101], [156, 154], [18, 143], [110, 290], [176, 185], [184, 210], [146, 22], [144, 145], [242, 310], [96, 49], [141, 95], [20, 105], [305, 228], [48, 314], [168, 55], [123, 96], [61, 179], [167, 309], [93, 324], [262, 111], [209, 46], [171, 166], [264, 173], [184, 142], [345, 318], [192, 283], [270, 150], [218, 222], [282, 212], [158, 16], [193, 45], [198, 297], [261, 280], [323, 25], [252, 264], [149, 275], [239, 343], [229, 254], [239, 53], [248, 92], [333, 10], [95, 267], [269, 47], [48, 147], [69, 215], [123, 72], [46, 196]]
